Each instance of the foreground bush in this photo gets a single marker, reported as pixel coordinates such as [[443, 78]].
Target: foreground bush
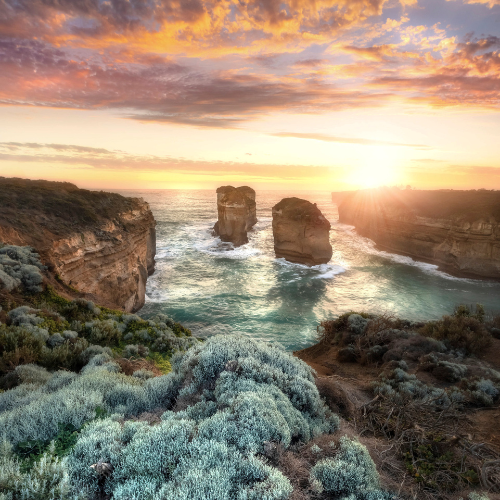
[[350, 474], [224, 399], [222, 402]]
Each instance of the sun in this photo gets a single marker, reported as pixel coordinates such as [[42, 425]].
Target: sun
[[377, 168]]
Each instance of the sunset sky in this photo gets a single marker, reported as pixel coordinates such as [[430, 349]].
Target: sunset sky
[[309, 94]]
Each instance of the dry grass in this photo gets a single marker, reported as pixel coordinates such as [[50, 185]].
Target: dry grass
[[436, 455], [129, 366]]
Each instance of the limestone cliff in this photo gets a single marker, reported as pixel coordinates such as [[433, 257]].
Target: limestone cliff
[[237, 214], [99, 243], [457, 230], [301, 232]]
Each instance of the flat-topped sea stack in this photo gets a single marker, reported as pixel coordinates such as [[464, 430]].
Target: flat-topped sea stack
[[457, 230], [301, 232], [237, 214]]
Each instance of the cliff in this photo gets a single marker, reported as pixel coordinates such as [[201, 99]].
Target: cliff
[[301, 232], [457, 230], [100, 243], [236, 209]]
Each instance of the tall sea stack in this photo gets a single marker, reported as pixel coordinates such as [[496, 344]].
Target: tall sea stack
[[237, 214], [301, 232]]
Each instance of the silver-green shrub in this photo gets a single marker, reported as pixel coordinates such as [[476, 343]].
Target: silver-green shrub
[[238, 393], [94, 350], [351, 471], [357, 324], [46, 480], [32, 374], [401, 386], [20, 266], [483, 391], [143, 374]]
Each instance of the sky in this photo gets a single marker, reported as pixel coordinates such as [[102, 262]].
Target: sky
[[297, 94]]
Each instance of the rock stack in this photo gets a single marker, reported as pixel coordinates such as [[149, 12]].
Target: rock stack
[[237, 214], [301, 232]]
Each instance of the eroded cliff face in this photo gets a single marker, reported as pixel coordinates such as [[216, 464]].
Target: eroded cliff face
[[102, 244], [301, 232], [237, 214], [457, 230]]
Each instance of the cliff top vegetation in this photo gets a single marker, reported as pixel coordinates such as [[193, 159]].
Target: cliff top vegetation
[[243, 194], [59, 207], [425, 393], [297, 208]]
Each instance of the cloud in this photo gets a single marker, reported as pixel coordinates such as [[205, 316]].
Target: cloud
[[221, 63], [346, 140], [489, 3], [311, 63], [475, 170], [33, 73], [103, 159], [199, 22], [375, 53]]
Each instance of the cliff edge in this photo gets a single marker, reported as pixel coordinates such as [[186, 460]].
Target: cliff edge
[[99, 243], [457, 230]]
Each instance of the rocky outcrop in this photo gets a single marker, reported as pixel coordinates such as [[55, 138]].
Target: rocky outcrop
[[301, 232], [457, 230], [99, 243], [237, 214]]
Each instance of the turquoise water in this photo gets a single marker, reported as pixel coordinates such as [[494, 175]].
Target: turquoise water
[[212, 288]]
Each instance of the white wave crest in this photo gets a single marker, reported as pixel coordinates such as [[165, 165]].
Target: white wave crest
[[366, 245]]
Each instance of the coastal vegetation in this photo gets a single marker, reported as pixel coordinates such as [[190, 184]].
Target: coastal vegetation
[[97, 403], [421, 385]]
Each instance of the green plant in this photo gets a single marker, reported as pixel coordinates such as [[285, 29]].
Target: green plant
[[351, 471], [460, 331], [161, 361]]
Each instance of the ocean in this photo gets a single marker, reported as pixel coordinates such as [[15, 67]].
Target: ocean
[[212, 288]]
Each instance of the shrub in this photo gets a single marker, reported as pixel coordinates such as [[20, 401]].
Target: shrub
[[451, 372], [401, 387], [135, 351], [20, 266], [482, 392], [350, 471], [357, 324], [463, 330], [225, 398], [331, 329], [94, 350], [47, 478], [412, 348], [143, 374]]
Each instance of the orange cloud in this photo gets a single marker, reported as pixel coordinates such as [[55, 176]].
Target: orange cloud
[[103, 159]]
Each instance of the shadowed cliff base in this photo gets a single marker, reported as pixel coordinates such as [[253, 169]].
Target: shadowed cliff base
[[236, 209], [457, 230], [301, 232], [96, 242]]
